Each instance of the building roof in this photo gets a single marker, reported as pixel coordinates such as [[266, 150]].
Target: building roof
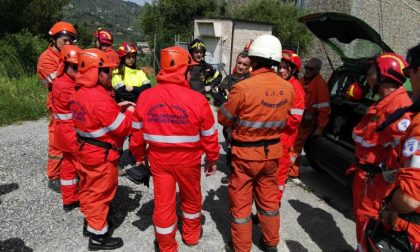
[[234, 20]]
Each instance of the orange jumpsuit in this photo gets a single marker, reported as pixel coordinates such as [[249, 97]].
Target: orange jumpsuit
[[97, 118], [257, 108], [316, 115], [65, 137], [289, 134], [112, 55], [408, 178], [47, 71], [377, 149], [178, 125]]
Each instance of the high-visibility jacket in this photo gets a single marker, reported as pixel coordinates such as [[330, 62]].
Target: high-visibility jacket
[[47, 65], [132, 77], [290, 131], [373, 147], [175, 121], [112, 55], [65, 135], [258, 108], [317, 102], [97, 116], [408, 177]]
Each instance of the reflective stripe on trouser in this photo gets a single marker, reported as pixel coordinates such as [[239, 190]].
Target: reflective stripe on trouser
[[261, 179], [367, 199], [68, 178], [303, 134], [55, 156], [284, 166], [97, 188], [164, 215]]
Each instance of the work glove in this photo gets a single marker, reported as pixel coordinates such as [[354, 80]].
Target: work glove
[[139, 174]]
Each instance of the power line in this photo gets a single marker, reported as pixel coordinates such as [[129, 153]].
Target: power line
[[411, 7]]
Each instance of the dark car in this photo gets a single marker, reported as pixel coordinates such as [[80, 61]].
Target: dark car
[[357, 44]]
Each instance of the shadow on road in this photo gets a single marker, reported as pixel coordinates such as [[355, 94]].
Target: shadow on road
[[216, 203], [126, 200], [14, 244], [7, 188], [321, 227], [295, 246], [145, 213]]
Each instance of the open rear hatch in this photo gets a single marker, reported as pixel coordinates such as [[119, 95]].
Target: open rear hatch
[[349, 36]]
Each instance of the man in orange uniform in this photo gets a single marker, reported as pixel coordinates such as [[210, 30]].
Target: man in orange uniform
[[177, 135], [103, 41], [376, 149], [101, 127], [403, 208], [257, 109], [317, 111], [61, 33], [288, 70], [64, 134]]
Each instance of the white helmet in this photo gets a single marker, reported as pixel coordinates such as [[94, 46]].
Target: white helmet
[[267, 47]]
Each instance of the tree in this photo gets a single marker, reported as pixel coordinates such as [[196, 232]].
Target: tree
[[35, 15], [167, 18], [284, 15]]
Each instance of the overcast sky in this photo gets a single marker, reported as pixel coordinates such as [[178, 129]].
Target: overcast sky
[[139, 2]]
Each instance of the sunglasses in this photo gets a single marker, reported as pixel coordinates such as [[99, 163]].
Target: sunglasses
[[105, 70]]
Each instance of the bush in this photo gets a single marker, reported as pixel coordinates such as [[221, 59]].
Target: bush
[[21, 99], [19, 53]]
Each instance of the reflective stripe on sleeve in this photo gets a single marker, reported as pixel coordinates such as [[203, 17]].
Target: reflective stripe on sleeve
[[63, 117], [119, 84], [165, 231], [68, 182], [226, 113], [191, 216], [321, 105], [295, 111], [171, 139], [240, 220], [414, 162], [49, 78], [208, 132], [137, 125], [259, 125], [98, 232], [102, 131]]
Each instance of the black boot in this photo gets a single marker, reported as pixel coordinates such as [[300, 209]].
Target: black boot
[[54, 184], [71, 206], [267, 248], [104, 242], [85, 232]]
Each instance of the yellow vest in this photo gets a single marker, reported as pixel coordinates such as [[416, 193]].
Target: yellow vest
[[132, 77]]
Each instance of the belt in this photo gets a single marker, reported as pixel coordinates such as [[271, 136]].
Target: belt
[[411, 217], [107, 146], [261, 143], [370, 168]]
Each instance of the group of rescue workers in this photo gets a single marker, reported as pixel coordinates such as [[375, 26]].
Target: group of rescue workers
[[97, 98]]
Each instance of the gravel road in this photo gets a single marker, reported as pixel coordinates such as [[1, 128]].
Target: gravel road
[[316, 211]]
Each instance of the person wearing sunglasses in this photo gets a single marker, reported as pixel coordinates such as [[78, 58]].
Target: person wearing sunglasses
[[61, 33], [376, 155], [64, 87], [288, 69], [177, 126], [316, 113], [401, 208], [101, 126], [103, 41]]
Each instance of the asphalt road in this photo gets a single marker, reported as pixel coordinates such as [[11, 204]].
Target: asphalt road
[[315, 212]]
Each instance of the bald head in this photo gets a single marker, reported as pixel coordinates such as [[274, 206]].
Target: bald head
[[312, 68]]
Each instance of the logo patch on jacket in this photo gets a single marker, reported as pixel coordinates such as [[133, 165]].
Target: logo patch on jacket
[[411, 145], [165, 113], [403, 125], [78, 111], [273, 105]]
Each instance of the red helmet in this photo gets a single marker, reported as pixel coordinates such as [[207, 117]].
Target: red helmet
[[69, 53], [390, 67], [62, 28], [126, 48], [93, 57], [103, 36], [291, 57], [354, 91], [174, 57]]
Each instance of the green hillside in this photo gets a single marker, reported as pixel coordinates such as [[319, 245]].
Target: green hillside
[[116, 15]]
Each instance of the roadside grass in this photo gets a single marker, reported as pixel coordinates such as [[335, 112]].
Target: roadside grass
[[21, 99]]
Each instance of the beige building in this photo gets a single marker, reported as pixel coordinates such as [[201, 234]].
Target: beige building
[[225, 38]]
